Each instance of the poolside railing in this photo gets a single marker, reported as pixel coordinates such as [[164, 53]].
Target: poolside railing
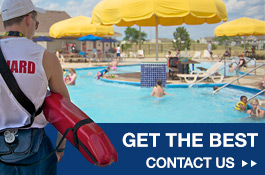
[[256, 95], [237, 78]]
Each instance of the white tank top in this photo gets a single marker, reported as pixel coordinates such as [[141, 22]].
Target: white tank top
[[24, 58], [118, 50]]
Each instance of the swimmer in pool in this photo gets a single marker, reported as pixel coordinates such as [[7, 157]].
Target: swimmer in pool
[[231, 69], [256, 111], [215, 88], [113, 65], [242, 105], [72, 78], [102, 73], [67, 79], [158, 90]]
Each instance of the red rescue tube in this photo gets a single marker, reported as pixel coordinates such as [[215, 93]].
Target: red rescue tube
[[63, 114]]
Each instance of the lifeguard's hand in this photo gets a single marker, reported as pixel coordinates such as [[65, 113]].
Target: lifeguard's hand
[[59, 156]]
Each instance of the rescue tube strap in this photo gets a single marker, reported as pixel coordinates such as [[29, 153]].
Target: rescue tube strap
[[77, 126], [78, 142]]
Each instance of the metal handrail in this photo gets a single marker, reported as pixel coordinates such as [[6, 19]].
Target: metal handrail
[[207, 76], [256, 95], [237, 78]]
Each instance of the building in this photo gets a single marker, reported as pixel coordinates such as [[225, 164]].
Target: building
[[256, 41], [64, 44]]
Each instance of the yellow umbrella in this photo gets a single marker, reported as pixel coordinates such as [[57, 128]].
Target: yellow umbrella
[[241, 27], [79, 26], [159, 12]]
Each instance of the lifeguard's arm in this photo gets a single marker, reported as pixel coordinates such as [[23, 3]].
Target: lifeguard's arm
[[56, 84]]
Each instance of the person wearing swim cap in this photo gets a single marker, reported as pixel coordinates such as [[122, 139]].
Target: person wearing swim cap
[[35, 69]]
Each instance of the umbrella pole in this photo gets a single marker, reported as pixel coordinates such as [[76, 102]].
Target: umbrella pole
[[244, 45], [156, 38], [140, 38]]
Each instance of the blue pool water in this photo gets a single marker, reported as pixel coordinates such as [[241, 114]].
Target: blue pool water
[[117, 103]]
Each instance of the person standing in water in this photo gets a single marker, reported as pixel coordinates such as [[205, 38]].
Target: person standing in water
[[158, 90]]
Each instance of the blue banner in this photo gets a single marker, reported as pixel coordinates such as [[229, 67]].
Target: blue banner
[[176, 149]]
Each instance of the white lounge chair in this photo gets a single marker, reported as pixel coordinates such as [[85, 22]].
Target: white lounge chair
[[140, 54], [192, 77], [206, 54], [197, 54]]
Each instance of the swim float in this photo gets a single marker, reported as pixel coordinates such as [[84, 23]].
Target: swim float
[[85, 134]]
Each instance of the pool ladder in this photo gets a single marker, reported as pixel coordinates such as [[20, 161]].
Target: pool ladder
[[238, 79]]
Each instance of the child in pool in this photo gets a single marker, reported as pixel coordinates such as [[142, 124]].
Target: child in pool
[[102, 73], [114, 64], [242, 105], [67, 79]]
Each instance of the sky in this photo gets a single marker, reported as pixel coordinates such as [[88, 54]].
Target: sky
[[235, 9]]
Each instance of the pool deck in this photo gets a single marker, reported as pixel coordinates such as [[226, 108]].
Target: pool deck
[[250, 81]]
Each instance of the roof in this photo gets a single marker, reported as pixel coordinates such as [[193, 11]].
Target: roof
[[46, 21]]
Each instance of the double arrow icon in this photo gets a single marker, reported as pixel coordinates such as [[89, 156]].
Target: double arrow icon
[[245, 163]]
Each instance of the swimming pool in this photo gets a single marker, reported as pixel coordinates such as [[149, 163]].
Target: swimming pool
[[118, 103]]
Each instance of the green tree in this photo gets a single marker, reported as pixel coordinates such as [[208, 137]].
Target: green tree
[[126, 46], [182, 39], [214, 46], [132, 35]]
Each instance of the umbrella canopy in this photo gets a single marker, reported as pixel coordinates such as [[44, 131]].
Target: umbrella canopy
[[109, 40], [168, 12], [79, 26], [42, 38], [90, 38], [241, 27], [155, 12]]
